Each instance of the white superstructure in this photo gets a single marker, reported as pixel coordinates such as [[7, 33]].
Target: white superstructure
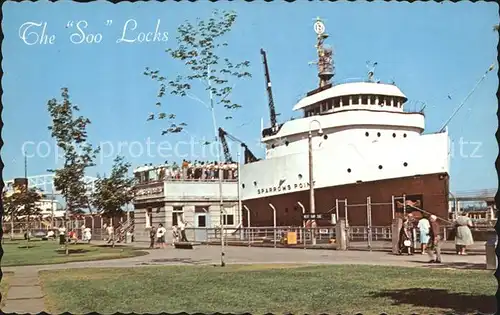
[[366, 136]]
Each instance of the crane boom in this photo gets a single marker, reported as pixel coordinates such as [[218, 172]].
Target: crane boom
[[272, 110], [249, 156], [225, 148]]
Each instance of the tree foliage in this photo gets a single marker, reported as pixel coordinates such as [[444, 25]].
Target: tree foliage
[[70, 133], [199, 47], [22, 203], [113, 192]]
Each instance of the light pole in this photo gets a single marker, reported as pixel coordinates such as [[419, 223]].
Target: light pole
[[311, 178], [240, 210]]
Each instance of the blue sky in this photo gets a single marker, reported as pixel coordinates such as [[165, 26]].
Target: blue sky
[[431, 50]]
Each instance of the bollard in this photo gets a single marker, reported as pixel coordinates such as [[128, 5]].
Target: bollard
[[397, 224], [341, 235], [491, 257]]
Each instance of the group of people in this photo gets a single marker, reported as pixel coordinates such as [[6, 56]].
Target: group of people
[[187, 170], [72, 235], [157, 235], [430, 236]]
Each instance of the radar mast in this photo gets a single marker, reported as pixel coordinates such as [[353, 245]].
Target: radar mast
[[326, 69]]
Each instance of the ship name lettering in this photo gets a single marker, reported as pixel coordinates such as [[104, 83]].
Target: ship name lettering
[[282, 188]]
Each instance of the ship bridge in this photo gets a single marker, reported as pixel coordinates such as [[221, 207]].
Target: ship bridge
[[350, 96]]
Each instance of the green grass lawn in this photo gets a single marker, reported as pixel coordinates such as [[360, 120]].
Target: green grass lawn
[[269, 288], [49, 252]]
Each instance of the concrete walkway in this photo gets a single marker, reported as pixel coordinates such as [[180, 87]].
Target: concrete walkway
[[25, 294]]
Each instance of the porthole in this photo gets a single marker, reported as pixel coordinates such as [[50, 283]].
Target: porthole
[[378, 134], [380, 167], [394, 135], [255, 183], [348, 170], [243, 186], [404, 135], [325, 137], [272, 146], [367, 134], [300, 176], [286, 143], [405, 164]]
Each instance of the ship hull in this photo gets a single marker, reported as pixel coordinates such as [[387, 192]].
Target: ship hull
[[427, 192]]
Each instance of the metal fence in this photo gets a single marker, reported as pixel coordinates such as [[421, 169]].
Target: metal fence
[[375, 237], [262, 236], [19, 233]]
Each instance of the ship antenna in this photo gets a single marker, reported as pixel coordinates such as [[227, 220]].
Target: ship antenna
[[325, 55], [467, 97]]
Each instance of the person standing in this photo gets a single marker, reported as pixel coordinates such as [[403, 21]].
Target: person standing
[[463, 237], [152, 234], [182, 227], [111, 233], [434, 241], [423, 228], [62, 235], [405, 235], [160, 235], [87, 234], [175, 234]]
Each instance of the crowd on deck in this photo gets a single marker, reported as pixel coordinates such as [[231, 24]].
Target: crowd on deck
[[188, 170]]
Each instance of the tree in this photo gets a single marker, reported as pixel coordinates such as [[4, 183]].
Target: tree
[[199, 47], [71, 136], [112, 193], [23, 203]]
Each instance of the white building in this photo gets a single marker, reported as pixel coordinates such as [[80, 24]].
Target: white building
[[196, 201]]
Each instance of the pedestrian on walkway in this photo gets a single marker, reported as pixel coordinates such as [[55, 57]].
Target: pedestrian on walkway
[[463, 237], [423, 229], [152, 235], [160, 236], [434, 241], [175, 234], [406, 236], [182, 227]]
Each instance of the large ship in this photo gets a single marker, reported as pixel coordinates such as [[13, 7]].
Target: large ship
[[364, 143]]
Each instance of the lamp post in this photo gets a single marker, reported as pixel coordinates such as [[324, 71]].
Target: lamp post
[[240, 210], [311, 178]]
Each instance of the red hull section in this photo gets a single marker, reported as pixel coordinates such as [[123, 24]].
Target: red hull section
[[427, 192]]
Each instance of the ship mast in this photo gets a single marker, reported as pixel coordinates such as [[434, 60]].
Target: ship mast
[[326, 69]]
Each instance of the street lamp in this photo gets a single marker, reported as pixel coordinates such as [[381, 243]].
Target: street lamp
[[311, 178]]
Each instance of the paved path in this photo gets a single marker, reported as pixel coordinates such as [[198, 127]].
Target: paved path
[[25, 294]]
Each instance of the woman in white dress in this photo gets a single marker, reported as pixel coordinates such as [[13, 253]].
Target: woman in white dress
[[463, 236], [87, 234]]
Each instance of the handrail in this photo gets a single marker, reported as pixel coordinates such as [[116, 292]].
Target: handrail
[[427, 212]]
